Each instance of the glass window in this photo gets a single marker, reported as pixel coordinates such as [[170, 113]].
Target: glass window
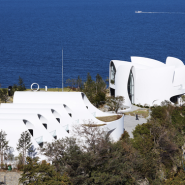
[[113, 73], [131, 87]]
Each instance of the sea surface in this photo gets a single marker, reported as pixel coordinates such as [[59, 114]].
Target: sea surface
[[91, 33]]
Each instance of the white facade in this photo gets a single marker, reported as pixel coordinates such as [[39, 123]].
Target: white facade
[[51, 115], [147, 81]]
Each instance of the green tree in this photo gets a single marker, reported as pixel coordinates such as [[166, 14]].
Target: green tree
[[32, 152], [99, 98], [4, 147], [79, 83], [178, 179], [93, 159], [115, 103], [4, 95], [71, 83], [160, 141], [95, 90], [42, 174], [183, 100], [89, 88], [21, 86], [24, 144]]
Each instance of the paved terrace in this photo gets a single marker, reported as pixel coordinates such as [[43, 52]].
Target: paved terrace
[[130, 123]]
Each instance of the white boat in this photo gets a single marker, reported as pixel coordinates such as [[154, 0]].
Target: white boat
[[138, 11]]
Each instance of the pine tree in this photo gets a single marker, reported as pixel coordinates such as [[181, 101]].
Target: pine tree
[[32, 152], [21, 86], [24, 144], [42, 174], [79, 83], [89, 89], [3, 146]]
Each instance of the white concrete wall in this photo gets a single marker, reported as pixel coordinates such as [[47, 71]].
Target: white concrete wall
[[14, 129], [121, 81], [154, 81]]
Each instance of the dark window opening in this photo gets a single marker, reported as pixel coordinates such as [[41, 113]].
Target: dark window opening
[[82, 95], [67, 131], [130, 87], [70, 114], [55, 137], [58, 119], [112, 73], [24, 121], [87, 107], [45, 125], [174, 99], [112, 92], [39, 116], [31, 131], [41, 144]]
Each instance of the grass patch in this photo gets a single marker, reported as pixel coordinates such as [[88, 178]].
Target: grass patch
[[109, 118], [143, 113], [94, 125], [65, 89]]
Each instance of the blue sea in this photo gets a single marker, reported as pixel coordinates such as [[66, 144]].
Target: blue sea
[[91, 33]]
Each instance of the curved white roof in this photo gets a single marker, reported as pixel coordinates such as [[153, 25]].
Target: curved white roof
[[152, 80], [53, 126], [146, 61], [33, 119], [51, 114], [14, 128], [172, 61]]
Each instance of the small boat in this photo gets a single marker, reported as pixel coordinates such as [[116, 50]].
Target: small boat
[[138, 11]]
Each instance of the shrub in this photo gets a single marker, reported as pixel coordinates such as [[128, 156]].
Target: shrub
[[20, 167], [124, 136], [112, 81]]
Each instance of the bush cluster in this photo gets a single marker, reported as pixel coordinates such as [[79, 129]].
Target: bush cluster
[[143, 106], [154, 155]]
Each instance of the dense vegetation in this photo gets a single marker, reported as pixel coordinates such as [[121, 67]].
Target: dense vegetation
[[94, 90], [4, 93], [153, 156]]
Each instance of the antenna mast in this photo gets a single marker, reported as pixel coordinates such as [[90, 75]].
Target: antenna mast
[[62, 70]]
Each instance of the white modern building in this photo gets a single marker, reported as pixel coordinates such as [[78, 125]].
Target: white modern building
[[48, 116], [147, 81]]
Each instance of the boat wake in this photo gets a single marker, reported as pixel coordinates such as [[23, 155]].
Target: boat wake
[[161, 12]]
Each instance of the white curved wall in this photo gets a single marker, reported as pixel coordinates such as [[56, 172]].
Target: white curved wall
[[14, 129], [64, 103], [153, 85], [154, 81], [64, 112], [52, 123], [146, 61], [172, 61], [39, 129], [121, 82], [31, 110], [179, 77]]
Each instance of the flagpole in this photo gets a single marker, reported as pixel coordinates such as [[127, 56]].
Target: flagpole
[[62, 70]]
